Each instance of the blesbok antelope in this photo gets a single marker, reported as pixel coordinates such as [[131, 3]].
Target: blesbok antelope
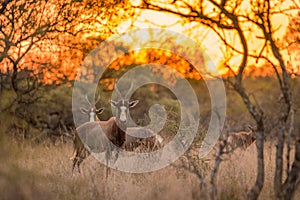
[[113, 129], [92, 112], [241, 139], [150, 140]]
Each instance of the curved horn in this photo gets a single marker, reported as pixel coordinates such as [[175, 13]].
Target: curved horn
[[117, 90], [98, 99], [128, 92], [87, 99]]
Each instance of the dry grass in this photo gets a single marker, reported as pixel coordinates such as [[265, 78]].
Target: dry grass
[[41, 172], [238, 174]]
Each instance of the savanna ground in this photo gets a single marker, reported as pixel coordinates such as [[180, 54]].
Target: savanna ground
[[43, 171]]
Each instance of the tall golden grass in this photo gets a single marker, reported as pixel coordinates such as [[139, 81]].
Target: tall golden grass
[[44, 172]]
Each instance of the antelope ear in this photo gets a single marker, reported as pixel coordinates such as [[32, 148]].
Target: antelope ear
[[251, 128], [84, 111], [133, 103], [99, 111], [113, 103]]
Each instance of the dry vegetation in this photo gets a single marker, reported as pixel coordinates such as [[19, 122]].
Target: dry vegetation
[[237, 174], [33, 167], [30, 170], [44, 172]]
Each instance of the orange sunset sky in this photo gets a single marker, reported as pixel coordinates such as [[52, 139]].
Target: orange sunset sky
[[206, 38]]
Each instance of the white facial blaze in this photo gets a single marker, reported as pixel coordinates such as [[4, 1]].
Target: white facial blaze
[[92, 116], [123, 114]]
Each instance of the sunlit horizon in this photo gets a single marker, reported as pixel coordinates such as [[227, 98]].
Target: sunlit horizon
[[207, 39], [69, 61]]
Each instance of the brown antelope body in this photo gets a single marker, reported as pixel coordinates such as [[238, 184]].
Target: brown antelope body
[[90, 139], [79, 148], [113, 132], [241, 139]]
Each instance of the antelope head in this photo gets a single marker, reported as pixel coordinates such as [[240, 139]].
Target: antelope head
[[122, 107], [252, 131], [92, 111]]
